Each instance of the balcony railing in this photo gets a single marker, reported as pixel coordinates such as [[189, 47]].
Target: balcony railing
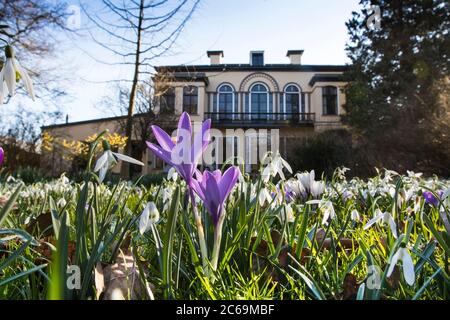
[[260, 119]]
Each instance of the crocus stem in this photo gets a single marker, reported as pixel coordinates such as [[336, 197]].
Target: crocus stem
[[217, 240], [201, 233]]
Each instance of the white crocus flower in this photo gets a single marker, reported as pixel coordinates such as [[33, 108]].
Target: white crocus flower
[[274, 167], [326, 207], [317, 188], [384, 218], [108, 158], [306, 179], [149, 216], [10, 72], [354, 215], [296, 186], [446, 194], [407, 263]]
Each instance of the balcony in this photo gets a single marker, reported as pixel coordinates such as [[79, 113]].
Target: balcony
[[260, 119]]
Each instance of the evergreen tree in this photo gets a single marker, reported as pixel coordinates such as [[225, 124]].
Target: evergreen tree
[[397, 97]]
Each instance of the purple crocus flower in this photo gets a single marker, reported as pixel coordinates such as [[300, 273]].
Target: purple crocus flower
[[431, 199], [183, 155], [2, 156], [289, 194], [213, 188]]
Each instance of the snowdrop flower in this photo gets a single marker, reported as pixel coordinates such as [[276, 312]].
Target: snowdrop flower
[[417, 205], [412, 174], [61, 203], [354, 215], [340, 172], [149, 216], [289, 213], [326, 207], [275, 166], [264, 196], [172, 174], [407, 264], [108, 158], [10, 73], [384, 218]]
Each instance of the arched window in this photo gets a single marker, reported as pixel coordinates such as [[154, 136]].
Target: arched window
[[330, 100], [259, 101], [225, 102], [291, 105]]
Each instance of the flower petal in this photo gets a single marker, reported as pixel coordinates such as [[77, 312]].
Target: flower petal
[[101, 162], [102, 173], [373, 221], [2, 86], [164, 140], [160, 153], [393, 263], [393, 226], [408, 267], [2, 156], [228, 181], [128, 159], [25, 77], [10, 76], [144, 220], [184, 123]]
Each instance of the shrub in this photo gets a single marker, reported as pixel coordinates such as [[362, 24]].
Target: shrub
[[31, 174], [151, 179], [323, 153]]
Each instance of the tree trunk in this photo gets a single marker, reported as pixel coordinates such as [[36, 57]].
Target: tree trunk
[[125, 168]]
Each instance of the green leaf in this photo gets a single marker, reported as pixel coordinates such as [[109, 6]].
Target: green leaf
[[58, 284], [9, 205], [168, 240]]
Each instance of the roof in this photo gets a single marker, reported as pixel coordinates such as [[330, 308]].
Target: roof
[[289, 52], [326, 78], [249, 67], [68, 124], [196, 76], [214, 52]]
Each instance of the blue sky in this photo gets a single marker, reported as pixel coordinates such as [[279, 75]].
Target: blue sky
[[234, 26]]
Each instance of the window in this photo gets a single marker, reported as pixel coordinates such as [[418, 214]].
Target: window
[[330, 100], [225, 101], [291, 101], [257, 59], [190, 99], [168, 101], [259, 101]]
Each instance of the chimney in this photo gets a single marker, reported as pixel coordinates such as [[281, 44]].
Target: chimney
[[295, 56], [215, 56]]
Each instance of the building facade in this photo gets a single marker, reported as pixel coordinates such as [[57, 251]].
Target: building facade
[[282, 104]]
